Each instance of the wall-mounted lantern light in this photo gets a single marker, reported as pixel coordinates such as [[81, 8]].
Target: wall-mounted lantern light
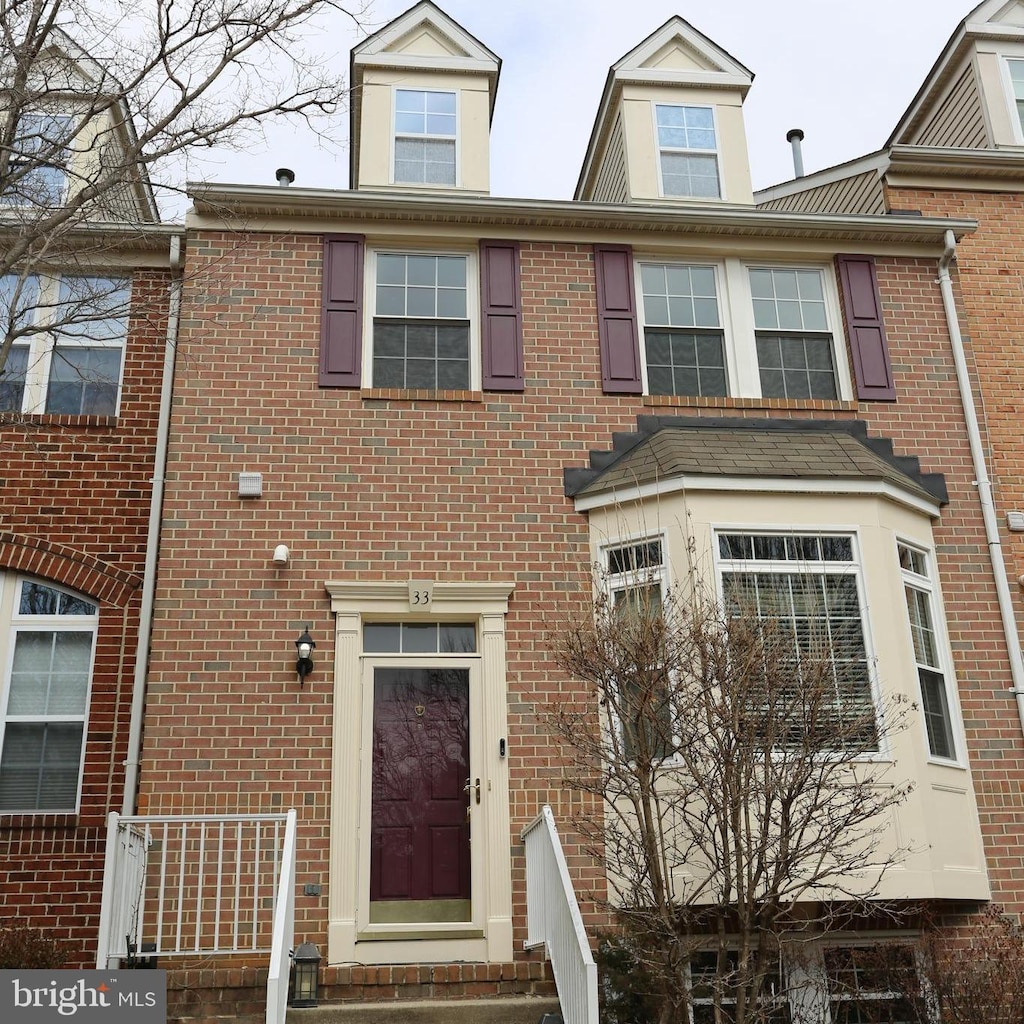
[[304, 665], [306, 975]]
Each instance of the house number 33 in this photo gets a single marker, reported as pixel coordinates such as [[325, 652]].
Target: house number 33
[[421, 594]]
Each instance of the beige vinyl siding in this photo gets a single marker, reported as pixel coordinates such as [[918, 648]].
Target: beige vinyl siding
[[861, 193], [959, 121], [610, 183]]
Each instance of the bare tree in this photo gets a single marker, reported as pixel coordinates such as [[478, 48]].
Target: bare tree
[[742, 805], [102, 104]]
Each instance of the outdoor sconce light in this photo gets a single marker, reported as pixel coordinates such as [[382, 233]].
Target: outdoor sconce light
[[305, 975], [304, 645]]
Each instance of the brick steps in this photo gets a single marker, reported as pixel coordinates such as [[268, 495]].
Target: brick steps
[[501, 1010]]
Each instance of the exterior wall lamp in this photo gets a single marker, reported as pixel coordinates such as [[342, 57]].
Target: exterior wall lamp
[[304, 646], [306, 975]]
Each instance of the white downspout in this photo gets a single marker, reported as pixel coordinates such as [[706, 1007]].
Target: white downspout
[[131, 774], [982, 481]]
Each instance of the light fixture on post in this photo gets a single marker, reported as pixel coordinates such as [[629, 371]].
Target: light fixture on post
[[304, 665], [305, 975]]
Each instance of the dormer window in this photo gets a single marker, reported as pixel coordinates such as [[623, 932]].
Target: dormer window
[[37, 165], [687, 151], [425, 133], [1017, 82]]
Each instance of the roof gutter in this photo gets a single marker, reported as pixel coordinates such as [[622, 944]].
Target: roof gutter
[[982, 482], [132, 761]]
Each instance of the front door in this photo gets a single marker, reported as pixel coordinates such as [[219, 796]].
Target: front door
[[419, 835]]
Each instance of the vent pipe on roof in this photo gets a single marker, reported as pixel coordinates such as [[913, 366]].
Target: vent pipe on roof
[[794, 137], [284, 176]]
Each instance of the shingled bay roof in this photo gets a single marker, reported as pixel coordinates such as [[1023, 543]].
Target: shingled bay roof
[[668, 447]]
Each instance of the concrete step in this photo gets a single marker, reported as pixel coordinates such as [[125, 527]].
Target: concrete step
[[508, 1010]]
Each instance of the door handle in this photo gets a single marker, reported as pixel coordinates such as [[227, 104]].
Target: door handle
[[471, 787]]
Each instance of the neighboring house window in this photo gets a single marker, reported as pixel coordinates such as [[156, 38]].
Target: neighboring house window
[[37, 166], [421, 327], [704, 976], [794, 342], [90, 332], [683, 338], [635, 582], [425, 133], [807, 586], [688, 151], [860, 984], [45, 696], [1017, 81], [934, 695], [69, 341]]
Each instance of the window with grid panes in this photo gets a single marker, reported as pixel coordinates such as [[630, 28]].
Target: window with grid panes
[[421, 330], [683, 338], [794, 342], [425, 134], [917, 588], [50, 634], [688, 151]]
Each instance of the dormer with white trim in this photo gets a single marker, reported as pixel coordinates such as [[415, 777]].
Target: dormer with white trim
[[670, 125], [422, 99], [973, 97]]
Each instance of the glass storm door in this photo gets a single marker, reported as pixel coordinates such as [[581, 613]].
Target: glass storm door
[[419, 836]]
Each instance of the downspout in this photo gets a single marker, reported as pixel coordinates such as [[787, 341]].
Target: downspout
[[131, 774], [984, 485]]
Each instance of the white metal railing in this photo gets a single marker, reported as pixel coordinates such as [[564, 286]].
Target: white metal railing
[[553, 920], [201, 888]]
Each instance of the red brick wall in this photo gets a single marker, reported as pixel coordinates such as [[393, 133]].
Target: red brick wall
[[74, 508], [366, 487]]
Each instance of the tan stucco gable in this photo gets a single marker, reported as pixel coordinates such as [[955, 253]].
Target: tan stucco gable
[[674, 66]]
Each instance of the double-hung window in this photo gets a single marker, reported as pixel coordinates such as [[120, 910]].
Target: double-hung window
[[707, 982], [37, 163], [425, 137], [794, 342], [805, 588], [861, 982], [421, 325], [47, 669], [683, 338], [635, 580], [687, 151], [918, 590], [68, 346], [1017, 84]]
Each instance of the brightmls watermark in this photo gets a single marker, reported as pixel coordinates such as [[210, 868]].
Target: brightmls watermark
[[85, 997]]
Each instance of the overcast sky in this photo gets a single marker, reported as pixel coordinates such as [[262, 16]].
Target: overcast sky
[[842, 71]]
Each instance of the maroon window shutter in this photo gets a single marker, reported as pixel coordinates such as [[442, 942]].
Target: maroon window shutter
[[616, 320], [866, 331], [341, 325], [502, 316]]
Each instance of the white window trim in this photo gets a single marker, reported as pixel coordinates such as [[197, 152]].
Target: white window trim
[[736, 313], [929, 585], [1007, 53], [10, 595], [885, 752], [716, 152], [395, 135], [42, 343], [472, 306], [65, 167]]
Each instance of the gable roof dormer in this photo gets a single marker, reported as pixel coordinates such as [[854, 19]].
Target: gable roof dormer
[[670, 124], [969, 98], [423, 96]]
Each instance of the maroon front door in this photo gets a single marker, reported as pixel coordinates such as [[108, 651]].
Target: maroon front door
[[419, 841]]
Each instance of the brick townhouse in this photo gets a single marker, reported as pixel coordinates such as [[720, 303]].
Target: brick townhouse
[[410, 416], [86, 311]]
